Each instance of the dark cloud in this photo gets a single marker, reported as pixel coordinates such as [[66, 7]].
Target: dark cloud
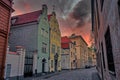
[[32, 5], [81, 12], [73, 15]]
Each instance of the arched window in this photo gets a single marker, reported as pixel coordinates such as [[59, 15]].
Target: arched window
[[43, 60]]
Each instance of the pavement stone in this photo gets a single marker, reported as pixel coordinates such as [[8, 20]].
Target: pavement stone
[[79, 74]]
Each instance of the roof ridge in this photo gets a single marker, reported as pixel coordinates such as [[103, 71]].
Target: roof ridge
[[26, 18], [27, 13]]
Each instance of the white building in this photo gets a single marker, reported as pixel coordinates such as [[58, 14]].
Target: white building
[[14, 67]]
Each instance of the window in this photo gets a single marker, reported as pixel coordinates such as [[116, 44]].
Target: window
[[75, 50], [71, 54], [46, 34], [59, 63], [109, 51], [44, 48], [53, 49], [102, 2], [58, 50], [51, 63], [45, 18], [42, 31], [103, 56], [8, 70], [74, 42]]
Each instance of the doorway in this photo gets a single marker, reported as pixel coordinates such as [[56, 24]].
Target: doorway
[[43, 65], [56, 61]]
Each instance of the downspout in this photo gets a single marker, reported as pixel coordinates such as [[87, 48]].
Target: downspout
[[49, 45]]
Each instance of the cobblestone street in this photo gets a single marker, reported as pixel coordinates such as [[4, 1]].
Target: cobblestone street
[[81, 74]]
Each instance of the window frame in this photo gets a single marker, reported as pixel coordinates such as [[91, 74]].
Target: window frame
[[109, 51], [44, 47]]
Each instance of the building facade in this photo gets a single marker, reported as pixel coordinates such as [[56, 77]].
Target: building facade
[[68, 55], [55, 43], [81, 50], [31, 30], [5, 13], [91, 57], [14, 67], [106, 29]]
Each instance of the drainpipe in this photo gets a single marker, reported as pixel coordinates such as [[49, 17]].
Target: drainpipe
[[49, 46]]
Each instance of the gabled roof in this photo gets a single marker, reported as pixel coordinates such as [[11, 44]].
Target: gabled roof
[[26, 18], [73, 36], [65, 42]]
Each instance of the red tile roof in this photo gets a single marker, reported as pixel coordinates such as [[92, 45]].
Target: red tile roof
[[65, 45], [27, 18], [65, 42]]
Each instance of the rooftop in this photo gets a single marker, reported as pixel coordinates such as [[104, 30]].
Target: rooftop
[[65, 42], [78, 36], [26, 18], [65, 39]]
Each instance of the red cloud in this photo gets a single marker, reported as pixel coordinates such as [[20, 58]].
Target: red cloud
[[83, 31]]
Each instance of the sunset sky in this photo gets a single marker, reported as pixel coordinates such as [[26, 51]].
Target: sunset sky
[[74, 16]]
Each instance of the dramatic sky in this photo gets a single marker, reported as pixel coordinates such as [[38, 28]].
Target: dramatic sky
[[73, 15]]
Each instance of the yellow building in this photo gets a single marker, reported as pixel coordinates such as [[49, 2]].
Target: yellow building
[[81, 50], [55, 44]]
